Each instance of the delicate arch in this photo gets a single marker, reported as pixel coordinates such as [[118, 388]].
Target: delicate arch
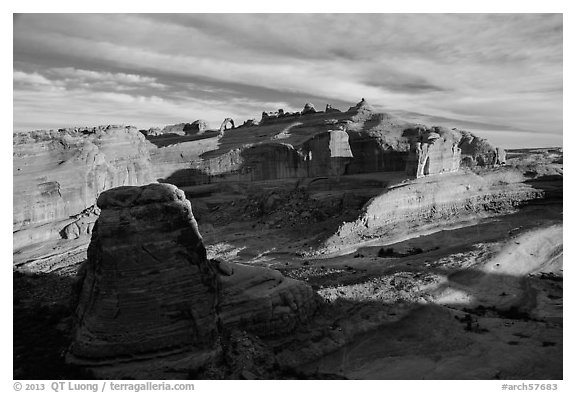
[[225, 123]]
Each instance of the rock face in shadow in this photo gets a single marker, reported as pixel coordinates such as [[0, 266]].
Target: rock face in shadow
[[264, 302], [147, 289], [59, 174], [149, 301]]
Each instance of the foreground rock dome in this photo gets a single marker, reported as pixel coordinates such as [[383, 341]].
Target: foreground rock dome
[[149, 302], [147, 288]]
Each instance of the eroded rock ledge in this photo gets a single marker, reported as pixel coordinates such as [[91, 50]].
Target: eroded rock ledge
[[149, 302], [58, 175]]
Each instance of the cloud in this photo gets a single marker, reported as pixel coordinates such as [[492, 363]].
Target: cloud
[[71, 78], [44, 107], [504, 70], [89, 76], [31, 79]]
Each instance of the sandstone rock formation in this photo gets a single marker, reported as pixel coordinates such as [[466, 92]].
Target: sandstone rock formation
[[500, 156], [153, 131], [400, 211], [199, 126], [308, 109], [59, 174], [278, 116], [479, 152], [196, 127], [223, 127], [282, 145], [329, 109], [151, 304], [83, 225], [432, 153], [288, 145], [360, 106], [149, 298], [263, 301], [147, 289], [250, 123]]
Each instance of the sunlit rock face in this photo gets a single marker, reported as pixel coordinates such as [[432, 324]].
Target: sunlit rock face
[[479, 152], [147, 289], [316, 144], [431, 203], [433, 152], [59, 174]]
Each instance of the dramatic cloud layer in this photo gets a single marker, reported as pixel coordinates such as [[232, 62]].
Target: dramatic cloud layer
[[500, 75]]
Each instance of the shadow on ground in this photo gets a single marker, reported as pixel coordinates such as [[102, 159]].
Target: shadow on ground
[[427, 336]]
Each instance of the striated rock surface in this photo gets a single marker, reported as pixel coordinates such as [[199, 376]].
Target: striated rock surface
[[149, 298], [264, 302], [147, 289], [83, 225], [59, 174], [425, 204], [293, 145], [432, 152]]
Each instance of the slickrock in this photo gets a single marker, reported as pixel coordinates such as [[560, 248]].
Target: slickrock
[[149, 298], [427, 204], [264, 302]]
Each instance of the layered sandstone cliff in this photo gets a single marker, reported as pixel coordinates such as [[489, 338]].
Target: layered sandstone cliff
[[427, 204], [314, 143], [59, 174], [433, 151]]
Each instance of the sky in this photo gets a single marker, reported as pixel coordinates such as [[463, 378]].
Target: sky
[[498, 75]]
